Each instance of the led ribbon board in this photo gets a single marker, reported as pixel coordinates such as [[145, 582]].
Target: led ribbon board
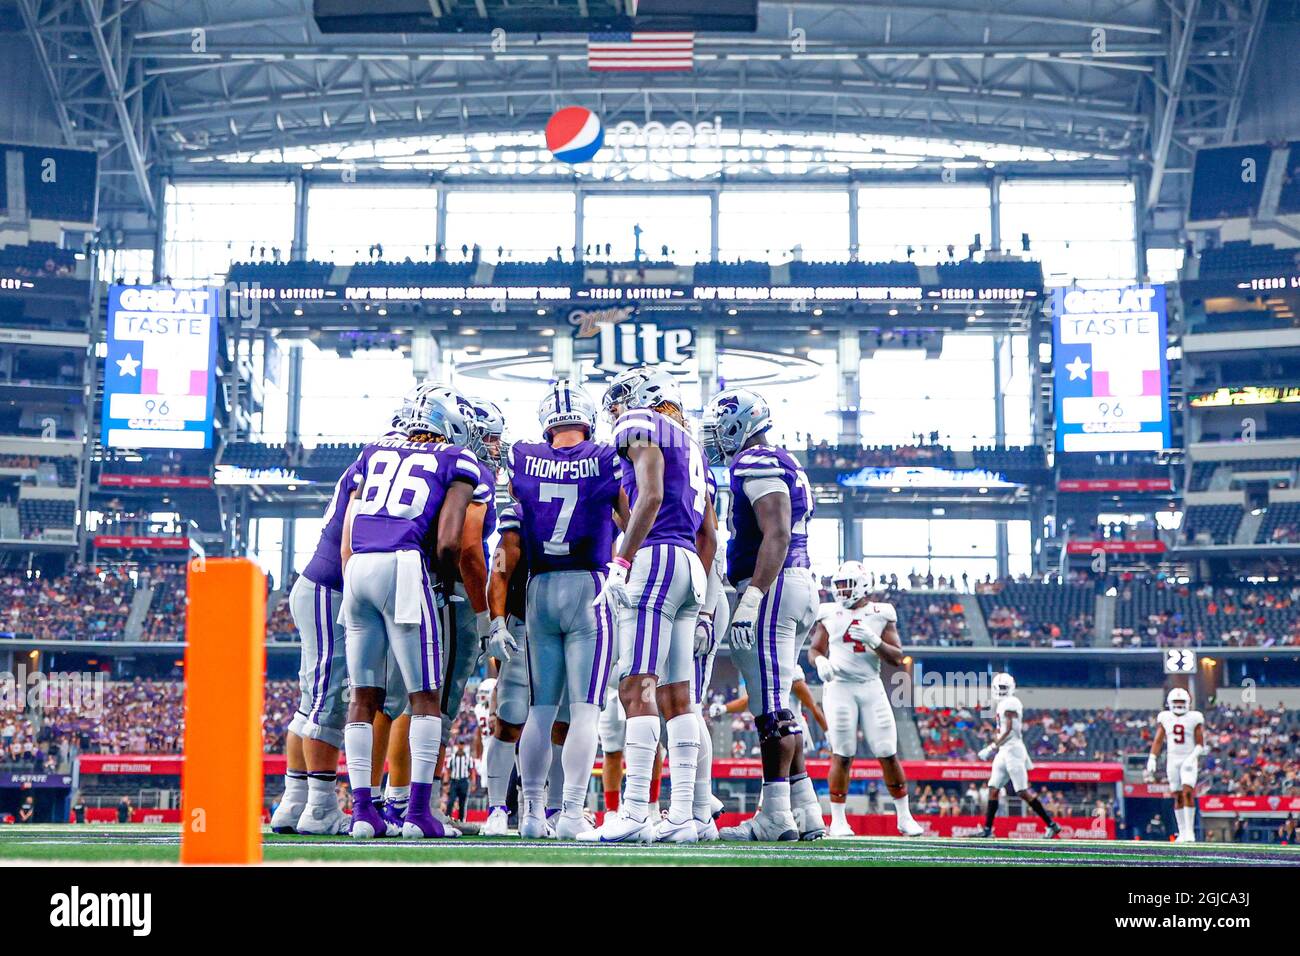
[[1112, 375], [158, 376]]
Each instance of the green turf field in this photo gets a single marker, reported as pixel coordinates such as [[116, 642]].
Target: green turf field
[[142, 843]]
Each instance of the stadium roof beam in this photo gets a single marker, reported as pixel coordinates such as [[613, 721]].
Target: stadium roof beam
[[101, 97], [1198, 88]]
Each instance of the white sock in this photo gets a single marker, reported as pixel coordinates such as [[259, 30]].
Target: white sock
[[320, 790], [683, 758], [535, 758], [838, 818], [703, 807], [803, 794], [579, 756], [1188, 822], [497, 763], [1179, 822], [776, 797], [358, 741], [295, 787], [555, 778], [426, 741], [640, 744], [902, 810], [399, 796]]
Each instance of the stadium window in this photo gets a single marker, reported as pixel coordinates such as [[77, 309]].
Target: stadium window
[[1080, 231], [211, 225], [1163, 265], [771, 226], [347, 224], [515, 226], [126, 266], [346, 400], [682, 223], [924, 219]]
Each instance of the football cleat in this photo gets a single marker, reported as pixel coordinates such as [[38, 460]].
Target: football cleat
[[536, 828], [811, 824], [910, 828], [426, 827], [669, 832], [286, 817], [323, 821], [497, 824], [1053, 831], [367, 824], [984, 833], [716, 806], [706, 831], [568, 828], [840, 830], [460, 826], [763, 828], [620, 828]]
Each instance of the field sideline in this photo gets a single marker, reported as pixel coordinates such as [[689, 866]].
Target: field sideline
[[159, 843]]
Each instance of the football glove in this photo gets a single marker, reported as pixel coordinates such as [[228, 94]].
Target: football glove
[[500, 643], [862, 635], [614, 590], [703, 635], [988, 752], [742, 621], [717, 709], [825, 669]]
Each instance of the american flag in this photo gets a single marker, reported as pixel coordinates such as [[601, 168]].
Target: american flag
[[641, 51]]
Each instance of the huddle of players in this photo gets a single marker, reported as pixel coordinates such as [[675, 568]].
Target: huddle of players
[[605, 592]]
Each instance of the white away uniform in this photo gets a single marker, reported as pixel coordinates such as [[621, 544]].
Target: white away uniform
[[1012, 761], [1180, 740], [856, 697]]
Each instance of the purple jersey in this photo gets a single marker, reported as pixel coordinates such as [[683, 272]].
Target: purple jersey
[[566, 499], [485, 493], [756, 472], [403, 487], [685, 475], [326, 565]]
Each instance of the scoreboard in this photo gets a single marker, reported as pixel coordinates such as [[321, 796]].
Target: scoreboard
[[1112, 374], [159, 370]]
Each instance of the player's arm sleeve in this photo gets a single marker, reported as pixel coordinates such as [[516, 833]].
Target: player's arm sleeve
[[466, 468], [713, 590], [633, 428]]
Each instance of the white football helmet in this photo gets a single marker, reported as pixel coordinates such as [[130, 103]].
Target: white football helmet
[[567, 404], [439, 410], [732, 418], [487, 424], [483, 695], [643, 387], [850, 583], [1179, 701], [1004, 685]]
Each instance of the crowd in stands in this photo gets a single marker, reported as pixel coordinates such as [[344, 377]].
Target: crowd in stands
[[826, 456], [38, 259], [60, 471], [1162, 613], [88, 604], [1038, 614]]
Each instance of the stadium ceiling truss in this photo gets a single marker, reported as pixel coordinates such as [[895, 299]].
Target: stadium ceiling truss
[[158, 84]]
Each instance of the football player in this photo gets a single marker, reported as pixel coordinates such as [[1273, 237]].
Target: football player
[[315, 734], [767, 562], [1183, 729], [1010, 758], [484, 698], [656, 582], [852, 638], [400, 548], [507, 600], [567, 489]]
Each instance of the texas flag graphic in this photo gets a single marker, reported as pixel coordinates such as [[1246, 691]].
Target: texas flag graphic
[[1112, 378]]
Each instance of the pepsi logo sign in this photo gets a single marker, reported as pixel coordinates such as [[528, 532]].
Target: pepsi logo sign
[[575, 135]]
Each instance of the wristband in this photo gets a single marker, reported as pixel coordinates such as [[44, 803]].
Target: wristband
[[623, 563]]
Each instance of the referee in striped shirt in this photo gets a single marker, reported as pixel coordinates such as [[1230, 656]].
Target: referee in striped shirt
[[460, 770]]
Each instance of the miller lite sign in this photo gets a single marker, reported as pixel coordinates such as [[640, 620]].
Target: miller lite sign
[[622, 343]]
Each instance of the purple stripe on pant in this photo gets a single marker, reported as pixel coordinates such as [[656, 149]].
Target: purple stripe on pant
[[669, 570], [602, 642], [760, 647], [772, 626], [644, 601], [320, 656]]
